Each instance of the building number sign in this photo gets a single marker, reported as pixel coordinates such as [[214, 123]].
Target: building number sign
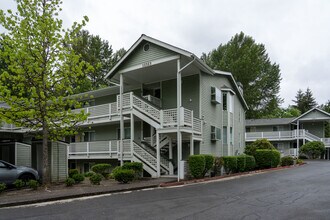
[[146, 64]]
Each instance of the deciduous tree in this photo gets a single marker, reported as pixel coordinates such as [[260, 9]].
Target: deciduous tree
[[41, 69], [250, 64]]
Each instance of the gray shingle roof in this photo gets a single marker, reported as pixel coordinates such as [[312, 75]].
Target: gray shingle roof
[[268, 121]]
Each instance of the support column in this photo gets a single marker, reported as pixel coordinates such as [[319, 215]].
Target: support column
[[132, 134], [191, 145], [170, 155], [158, 154], [179, 103], [298, 134], [121, 120]]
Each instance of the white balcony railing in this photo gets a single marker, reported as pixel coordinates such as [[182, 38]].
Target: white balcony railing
[[285, 135], [99, 149]]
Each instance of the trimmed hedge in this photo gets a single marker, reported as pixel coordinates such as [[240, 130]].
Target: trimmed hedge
[[267, 158], [123, 175], [101, 168], [95, 179], [196, 165], [287, 161], [260, 144], [241, 163], [137, 167], [73, 172], [313, 149], [78, 177], [209, 162], [230, 164], [2, 187]]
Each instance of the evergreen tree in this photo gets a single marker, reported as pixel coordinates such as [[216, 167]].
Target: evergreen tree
[[304, 100], [249, 63], [40, 71]]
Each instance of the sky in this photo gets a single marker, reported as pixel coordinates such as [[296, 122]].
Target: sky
[[295, 33]]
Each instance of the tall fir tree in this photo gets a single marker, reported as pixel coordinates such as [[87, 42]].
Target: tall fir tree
[[304, 101], [41, 68], [249, 63]]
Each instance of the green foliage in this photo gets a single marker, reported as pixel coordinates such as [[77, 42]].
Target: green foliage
[[42, 72], [218, 163], [73, 172], [33, 184], [313, 149], [249, 63], [302, 157], [123, 175], [209, 162], [102, 168], [304, 100], [95, 179], [2, 187], [245, 163], [89, 174], [267, 158], [300, 161], [289, 112], [230, 164], [78, 177], [258, 145], [19, 184], [136, 166], [287, 161], [196, 165], [70, 182]]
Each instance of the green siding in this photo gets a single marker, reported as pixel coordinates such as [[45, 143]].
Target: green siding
[[58, 162], [215, 116], [105, 99], [316, 128], [169, 94], [314, 115], [139, 56], [23, 155]]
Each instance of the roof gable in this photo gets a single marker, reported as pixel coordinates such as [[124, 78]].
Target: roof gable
[[313, 114]]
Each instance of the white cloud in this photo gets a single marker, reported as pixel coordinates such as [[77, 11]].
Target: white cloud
[[294, 32]]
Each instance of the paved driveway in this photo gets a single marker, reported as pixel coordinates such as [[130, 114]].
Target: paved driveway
[[298, 193]]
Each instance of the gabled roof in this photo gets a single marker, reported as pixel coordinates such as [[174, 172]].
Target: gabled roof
[[268, 121], [315, 109], [232, 80], [178, 50]]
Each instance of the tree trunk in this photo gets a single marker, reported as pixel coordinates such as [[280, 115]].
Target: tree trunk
[[45, 168]]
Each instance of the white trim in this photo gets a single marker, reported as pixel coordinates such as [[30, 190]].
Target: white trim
[[151, 63]]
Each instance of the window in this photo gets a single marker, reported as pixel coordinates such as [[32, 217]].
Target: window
[[224, 98], [127, 133], [275, 128], [230, 102], [89, 136], [2, 165], [231, 135], [215, 133], [225, 141]]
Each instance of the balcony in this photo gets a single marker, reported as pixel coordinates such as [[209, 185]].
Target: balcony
[[99, 150]]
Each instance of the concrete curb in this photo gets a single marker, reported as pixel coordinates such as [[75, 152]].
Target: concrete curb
[[58, 198], [230, 176]]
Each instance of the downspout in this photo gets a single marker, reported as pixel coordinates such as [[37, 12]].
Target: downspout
[[179, 103]]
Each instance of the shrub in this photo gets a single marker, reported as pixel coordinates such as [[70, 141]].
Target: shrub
[[73, 172], [196, 165], [287, 161], [78, 178], [313, 149], [33, 184], [302, 156], [230, 164], [70, 181], [95, 179], [245, 163], [19, 184], [267, 158], [300, 161], [2, 187], [123, 175], [137, 167], [102, 168], [209, 162], [89, 174], [259, 144], [218, 163]]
